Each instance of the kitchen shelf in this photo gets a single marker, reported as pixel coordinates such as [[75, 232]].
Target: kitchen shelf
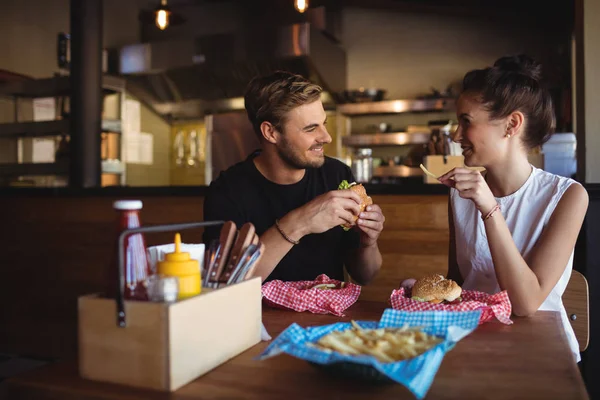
[[397, 107], [29, 169], [386, 139], [111, 125], [48, 128], [34, 128], [57, 168], [54, 87], [113, 167]]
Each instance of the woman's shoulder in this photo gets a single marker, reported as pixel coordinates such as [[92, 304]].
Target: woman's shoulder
[[555, 184], [560, 191]]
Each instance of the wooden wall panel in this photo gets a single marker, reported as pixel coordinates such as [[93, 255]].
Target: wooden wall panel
[[55, 249], [414, 241]]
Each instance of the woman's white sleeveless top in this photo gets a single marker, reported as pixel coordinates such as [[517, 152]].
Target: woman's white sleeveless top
[[527, 211]]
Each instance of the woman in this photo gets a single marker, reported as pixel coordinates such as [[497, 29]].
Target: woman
[[513, 228]]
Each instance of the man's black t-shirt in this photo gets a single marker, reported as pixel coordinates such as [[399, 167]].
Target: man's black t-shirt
[[242, 194]]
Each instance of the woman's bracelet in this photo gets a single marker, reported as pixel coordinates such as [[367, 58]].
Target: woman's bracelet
[[489, 215], [286, 237]]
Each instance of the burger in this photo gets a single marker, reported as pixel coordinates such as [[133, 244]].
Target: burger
[[364, 199], [436, 289]]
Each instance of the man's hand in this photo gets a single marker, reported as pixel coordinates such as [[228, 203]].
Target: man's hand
[[324, 212], [370, 223]]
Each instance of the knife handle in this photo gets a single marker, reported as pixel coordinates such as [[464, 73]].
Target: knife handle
[[228, 232], [244, 238], [250, 271]]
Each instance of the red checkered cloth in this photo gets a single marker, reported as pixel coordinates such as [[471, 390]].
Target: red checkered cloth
[[301, 296], [492, 305]]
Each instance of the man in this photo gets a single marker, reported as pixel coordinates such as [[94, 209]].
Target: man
[[288, 190]]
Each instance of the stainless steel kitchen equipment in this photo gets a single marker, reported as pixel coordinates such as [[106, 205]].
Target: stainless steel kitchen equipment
[[406, 146], [363, 95], [362, 165], [230, 139], [180, 78]]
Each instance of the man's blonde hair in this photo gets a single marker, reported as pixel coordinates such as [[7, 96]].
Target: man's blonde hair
[[269, 98]]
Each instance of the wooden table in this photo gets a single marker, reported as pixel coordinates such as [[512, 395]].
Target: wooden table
[[527, 360]]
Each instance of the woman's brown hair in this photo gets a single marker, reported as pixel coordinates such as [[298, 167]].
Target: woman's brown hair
[[513, 84]]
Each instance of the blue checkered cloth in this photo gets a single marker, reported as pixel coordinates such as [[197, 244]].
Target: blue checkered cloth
[[416, 373]]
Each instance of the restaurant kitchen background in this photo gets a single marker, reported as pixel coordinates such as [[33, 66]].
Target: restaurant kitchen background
[[175, 99], [173, 112]]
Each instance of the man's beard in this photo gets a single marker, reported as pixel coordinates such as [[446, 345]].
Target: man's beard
[[292, 157]]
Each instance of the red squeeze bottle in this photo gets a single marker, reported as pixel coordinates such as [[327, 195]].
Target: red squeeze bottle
[[136, 268]]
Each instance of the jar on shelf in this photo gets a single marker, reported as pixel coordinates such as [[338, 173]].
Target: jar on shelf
[[362, 165]]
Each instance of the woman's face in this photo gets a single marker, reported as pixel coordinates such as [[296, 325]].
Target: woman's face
[[483, 141]]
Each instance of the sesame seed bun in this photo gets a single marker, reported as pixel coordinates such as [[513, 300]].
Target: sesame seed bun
[[364, 201], [435, 289]]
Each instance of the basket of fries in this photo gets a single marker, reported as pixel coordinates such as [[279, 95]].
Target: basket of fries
[[403, 347], [321, 296]]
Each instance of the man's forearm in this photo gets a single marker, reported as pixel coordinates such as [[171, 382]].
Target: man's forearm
[[364, 264], [276, 246]]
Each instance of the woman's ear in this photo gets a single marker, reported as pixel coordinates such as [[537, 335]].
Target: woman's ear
[[514, 123], [269, 132]]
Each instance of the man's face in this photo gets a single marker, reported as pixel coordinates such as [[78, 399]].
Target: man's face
[[300, 145]]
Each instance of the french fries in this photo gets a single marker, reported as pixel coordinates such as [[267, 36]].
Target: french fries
[[428, 172], [386, 344]]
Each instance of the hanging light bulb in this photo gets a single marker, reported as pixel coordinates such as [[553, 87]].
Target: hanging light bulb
[[162, 15], [301, 5]]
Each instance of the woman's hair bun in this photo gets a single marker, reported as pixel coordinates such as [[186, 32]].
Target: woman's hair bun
[[521, 64]]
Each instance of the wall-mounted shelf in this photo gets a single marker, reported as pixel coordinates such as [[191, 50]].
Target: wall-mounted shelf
[[397, 171], [385, 139], [58, 168], [54, 87], [30, 169], [113, 167], [111, 125], [48, 128], [34, 129], [397, 107]]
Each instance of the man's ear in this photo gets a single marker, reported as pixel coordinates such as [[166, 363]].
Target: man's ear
[[269, 132]]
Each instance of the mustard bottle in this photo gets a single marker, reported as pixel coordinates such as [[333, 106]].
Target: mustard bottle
[[186, 269]]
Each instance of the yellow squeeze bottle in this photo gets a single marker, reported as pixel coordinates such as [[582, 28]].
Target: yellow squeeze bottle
[[186, 269]]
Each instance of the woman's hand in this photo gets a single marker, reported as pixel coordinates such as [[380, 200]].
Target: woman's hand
[[470, 185]]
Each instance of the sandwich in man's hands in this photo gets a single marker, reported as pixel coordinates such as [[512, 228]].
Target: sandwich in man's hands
[[364, 199], [436, 289]]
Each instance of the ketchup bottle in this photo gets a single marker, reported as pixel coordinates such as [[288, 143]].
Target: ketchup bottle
[[136, 268]]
